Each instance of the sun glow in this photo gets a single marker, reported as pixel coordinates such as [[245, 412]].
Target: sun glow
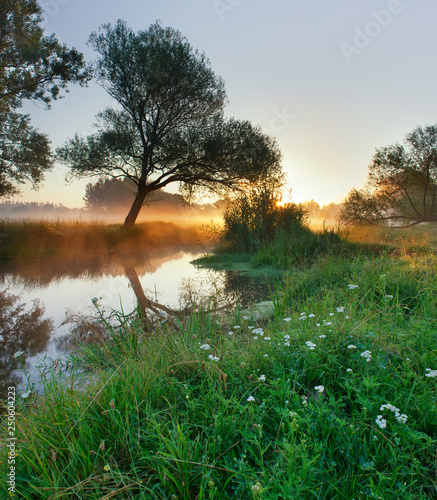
[[285, 199]]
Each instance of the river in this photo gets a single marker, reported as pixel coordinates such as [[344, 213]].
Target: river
[[45, 305]]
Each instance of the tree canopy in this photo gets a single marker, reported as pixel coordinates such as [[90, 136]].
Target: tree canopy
[[402, 184], [32, 67], [168, 125]]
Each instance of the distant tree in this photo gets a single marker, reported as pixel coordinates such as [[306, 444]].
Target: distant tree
[[169, 126], [32, 67], [108, 193], [402, 184]]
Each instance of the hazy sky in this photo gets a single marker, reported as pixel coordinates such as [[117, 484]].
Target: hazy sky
[[331, 80]]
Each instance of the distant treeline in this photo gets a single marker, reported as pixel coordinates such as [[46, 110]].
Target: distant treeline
[[110, 200], [318, 215], [33, 209], [163, 206]]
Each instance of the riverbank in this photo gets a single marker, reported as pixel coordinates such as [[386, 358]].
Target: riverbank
[[333, 396], [69, 239]]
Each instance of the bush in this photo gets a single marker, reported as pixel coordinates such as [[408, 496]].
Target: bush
[[253, 220]]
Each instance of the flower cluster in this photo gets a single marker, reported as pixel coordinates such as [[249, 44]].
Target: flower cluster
[[400, 417], [258, 331], [381, 422], [431, 373], [367, 355]]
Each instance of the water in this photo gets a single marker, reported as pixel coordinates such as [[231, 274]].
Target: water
[[45, 305]]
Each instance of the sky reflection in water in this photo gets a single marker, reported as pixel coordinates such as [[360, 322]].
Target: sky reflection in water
[[36, 298]]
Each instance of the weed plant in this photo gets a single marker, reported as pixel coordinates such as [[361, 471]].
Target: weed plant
[[334, 397]]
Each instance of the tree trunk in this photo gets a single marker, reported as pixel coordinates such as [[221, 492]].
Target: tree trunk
[[136, 207]]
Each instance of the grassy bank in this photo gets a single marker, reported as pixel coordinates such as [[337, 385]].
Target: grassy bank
[[45, 238], [332, 398]]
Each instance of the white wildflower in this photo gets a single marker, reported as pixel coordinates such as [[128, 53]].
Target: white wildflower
[[287, 319], [402, 418], [381, 422], [205, 347], [431, 373], [213, 358], [250, 398], [351, 346], [367, 355], [319, 388], [340, 309], [311, 315], [352, 287], [256, 488], [261, 378]]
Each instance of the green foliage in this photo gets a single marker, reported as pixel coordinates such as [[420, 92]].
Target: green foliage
[[32, 67], [333, 397], [402, 184], [254, 219], [170, 128]]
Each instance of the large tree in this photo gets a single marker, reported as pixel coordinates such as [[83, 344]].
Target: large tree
[[402, 184], [32, 67], [168, 126]]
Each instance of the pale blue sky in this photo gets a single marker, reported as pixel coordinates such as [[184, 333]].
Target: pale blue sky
[[331, 80]]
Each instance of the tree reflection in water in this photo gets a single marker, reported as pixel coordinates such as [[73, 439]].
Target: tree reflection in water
[[22, 329]]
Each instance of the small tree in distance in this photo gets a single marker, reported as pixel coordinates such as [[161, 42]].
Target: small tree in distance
[[402, 185], [168, 126]]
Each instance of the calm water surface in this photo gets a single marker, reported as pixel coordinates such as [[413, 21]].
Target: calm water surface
[[45, 305]]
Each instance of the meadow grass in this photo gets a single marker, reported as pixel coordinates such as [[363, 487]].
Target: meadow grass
[[45, 238], [333, 397]]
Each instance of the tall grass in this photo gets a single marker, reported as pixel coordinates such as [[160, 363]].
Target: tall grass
[[223, 408], [42, 238], [252, 221]]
